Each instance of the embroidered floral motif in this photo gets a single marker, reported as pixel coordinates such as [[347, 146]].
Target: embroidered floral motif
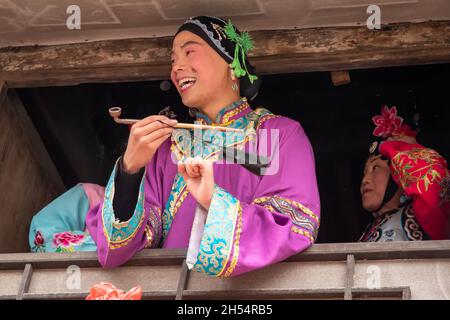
[[65, 241], [388, 124], [419, 166], [39, 241]]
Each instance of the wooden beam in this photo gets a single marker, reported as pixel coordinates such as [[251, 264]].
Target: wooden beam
[[23, 174], [146, 295], [349, 277], [340, 77], [359, 293], [406, 294], [317, 252], [182, 282], [25, 282], [276, 51], [250, 294]]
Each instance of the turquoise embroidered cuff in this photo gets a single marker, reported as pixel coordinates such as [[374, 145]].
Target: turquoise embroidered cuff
[[224, 215], [119, 234]]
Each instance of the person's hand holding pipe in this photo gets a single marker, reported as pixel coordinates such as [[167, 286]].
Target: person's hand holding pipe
[[146, 136]]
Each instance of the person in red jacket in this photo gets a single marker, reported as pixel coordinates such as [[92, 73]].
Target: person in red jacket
[[405, 185]]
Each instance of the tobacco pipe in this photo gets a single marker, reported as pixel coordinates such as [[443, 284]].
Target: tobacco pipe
[[242, 158], [115, 113]]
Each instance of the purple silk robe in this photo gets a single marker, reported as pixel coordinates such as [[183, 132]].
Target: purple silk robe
[[253, 221]]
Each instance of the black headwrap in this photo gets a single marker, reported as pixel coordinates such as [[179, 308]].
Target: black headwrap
[[231, 45]]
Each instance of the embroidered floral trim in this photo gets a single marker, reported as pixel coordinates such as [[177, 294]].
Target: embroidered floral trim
[[405, 163]]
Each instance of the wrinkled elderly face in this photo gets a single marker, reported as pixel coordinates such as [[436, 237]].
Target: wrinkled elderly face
[[198, 72], [374, 183]]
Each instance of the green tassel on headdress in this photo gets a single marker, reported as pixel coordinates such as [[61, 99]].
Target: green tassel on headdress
[[244, 44]]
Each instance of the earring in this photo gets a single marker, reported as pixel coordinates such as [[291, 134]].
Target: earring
[[233, 77]]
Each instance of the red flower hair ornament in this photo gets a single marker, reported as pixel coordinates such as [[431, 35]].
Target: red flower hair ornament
[[389, 124]]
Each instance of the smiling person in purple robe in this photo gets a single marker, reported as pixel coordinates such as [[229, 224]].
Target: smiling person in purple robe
[[167, 177]]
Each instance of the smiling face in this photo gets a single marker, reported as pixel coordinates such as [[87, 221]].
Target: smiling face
[[198, 72], [374, 183]]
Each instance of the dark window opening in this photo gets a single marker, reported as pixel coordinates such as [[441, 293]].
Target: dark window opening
[[84, 142]]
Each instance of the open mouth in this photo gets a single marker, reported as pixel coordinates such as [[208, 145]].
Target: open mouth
[[186, 83]]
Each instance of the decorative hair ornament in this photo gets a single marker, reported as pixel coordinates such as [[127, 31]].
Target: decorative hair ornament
[[244, 44], [390, 124], [373, 147]]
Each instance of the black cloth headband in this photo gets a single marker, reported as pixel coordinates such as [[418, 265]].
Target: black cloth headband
[[231, 45]]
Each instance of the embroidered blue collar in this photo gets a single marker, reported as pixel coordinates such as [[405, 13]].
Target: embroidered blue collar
[[227, 114]]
